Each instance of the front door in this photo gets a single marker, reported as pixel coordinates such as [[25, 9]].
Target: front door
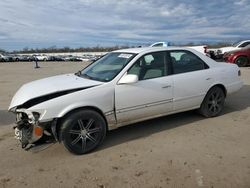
[[151, 96]]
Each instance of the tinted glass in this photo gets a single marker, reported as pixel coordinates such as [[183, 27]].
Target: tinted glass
[[185, 61], [150, 66], [158, 45], [244, 44], [106, 68]]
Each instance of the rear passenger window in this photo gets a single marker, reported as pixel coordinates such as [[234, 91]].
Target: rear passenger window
[[185, 61]]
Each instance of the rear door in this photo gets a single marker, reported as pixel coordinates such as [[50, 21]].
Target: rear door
[[191, 79]]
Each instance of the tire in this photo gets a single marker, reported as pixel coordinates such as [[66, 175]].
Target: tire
[[241, 61], [213, 102], [83, 131]]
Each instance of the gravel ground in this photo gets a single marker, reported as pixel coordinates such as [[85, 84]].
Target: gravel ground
[[182, 150]]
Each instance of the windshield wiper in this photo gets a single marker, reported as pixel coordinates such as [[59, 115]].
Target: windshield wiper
[[78, 73], [87, 76]]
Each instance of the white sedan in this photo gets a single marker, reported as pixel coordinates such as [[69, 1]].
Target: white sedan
[[123, 87]]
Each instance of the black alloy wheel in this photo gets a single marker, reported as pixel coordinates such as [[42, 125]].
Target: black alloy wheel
[[213, 103], [83, 131]]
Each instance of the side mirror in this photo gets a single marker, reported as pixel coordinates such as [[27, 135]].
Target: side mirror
[[128, 79]]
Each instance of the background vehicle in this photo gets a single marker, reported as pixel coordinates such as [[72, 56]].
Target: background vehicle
[[202, 49], [41, 57], [239, 57], [55, 58], [122, 87], [22, 58], [6, 58], [237, 46], [1, 58]]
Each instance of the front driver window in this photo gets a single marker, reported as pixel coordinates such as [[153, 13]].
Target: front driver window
[[150, 66]]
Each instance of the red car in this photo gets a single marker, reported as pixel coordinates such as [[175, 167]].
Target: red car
[[239, 57]]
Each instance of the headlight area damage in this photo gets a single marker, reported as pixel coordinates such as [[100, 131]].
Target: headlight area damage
[[29, 129], [30, 132]]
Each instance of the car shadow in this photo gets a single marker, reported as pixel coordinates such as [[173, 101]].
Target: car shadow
[[238, 101], [235, 102], [149, 127]]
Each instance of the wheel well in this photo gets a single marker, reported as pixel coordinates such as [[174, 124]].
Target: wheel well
[[241, 56], [217, 85], [60, 120], [222, 87]]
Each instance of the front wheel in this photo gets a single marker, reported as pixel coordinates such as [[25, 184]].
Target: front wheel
[[83, 131], [241, 61], [213, 102]]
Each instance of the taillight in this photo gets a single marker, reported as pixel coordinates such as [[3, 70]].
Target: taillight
[[239, 73]]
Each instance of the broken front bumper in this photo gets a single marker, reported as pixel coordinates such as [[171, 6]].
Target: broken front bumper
[[30, 132]]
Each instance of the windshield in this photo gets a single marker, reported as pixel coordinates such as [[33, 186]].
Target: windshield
[[236, 44], [106, 68]]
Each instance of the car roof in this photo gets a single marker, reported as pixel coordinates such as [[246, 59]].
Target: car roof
[[149, 49], [245, 41], [242, 41]]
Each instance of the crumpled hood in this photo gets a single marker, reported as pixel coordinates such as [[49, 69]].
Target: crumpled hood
[[50, 85]]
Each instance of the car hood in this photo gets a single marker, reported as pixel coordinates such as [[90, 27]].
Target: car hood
[[227, 49], [50, 85]]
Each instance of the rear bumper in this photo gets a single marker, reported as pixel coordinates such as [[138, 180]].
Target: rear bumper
[[235, 86]]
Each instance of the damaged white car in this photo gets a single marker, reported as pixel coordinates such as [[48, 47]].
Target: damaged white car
[[123, 87]]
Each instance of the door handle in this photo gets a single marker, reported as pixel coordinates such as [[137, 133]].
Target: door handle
[[167, 86], [208, 78]]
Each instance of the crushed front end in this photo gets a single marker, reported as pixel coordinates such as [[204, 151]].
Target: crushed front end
[[31, 132]]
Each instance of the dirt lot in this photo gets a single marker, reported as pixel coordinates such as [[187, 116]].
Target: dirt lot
[[182, 150]]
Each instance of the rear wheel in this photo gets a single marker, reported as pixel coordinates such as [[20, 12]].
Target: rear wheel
[[213, 103], [83, 131], [241, 61]]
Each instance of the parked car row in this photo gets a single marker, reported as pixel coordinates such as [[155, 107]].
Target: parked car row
[[239, 54], [5, 58], [44, 57]]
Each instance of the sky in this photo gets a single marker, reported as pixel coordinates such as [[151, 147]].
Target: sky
[[88, 23]]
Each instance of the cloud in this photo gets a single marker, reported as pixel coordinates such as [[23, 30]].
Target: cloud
[[241, 2], [108, 22], [177, 11]]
